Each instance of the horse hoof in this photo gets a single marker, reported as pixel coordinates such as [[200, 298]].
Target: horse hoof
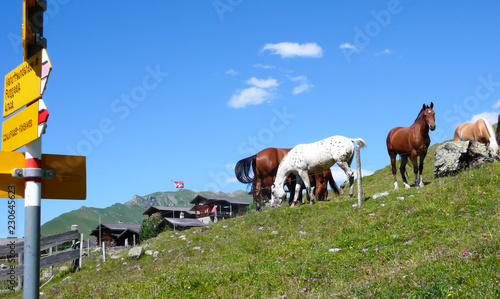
[[407, 186]]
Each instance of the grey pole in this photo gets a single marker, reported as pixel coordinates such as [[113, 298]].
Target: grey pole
[[32, 202]]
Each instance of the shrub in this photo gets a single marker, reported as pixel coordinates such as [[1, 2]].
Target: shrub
[[150, 227]]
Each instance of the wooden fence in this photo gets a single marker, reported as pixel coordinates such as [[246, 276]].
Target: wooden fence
[[16, 248]]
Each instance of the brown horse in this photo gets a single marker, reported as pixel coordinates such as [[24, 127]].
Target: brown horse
[[320, 182], [480, 131], [411, 142], [264, 166]]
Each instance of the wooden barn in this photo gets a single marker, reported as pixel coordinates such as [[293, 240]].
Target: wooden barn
[[117, 234]]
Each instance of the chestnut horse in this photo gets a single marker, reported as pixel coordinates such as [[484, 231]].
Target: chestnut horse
[[264, 165], [480, 131], [411, 142]]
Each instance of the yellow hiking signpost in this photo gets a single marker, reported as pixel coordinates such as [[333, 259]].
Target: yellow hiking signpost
[[22, 175], [22, 128], [26, 83]]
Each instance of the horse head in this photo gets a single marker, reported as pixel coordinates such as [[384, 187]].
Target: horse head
[[277, 196], [429, 116]]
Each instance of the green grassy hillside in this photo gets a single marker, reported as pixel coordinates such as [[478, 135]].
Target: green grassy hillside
[[440, 241]]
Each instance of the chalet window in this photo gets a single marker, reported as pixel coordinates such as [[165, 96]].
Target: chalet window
[[198, 212], [206, 211]]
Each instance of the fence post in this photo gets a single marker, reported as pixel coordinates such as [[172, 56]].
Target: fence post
[[358, 166], [103, 252], [51, 267], [20, 279], [75, 263], [81, 252]]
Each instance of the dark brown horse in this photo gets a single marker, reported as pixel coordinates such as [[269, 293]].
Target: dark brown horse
[[320, 182], [264, 166], [411, 142], [497, 133]]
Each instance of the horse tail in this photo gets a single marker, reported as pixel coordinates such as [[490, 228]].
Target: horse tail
[[242, 170], [359, 142], [333, 185], [493, 141]]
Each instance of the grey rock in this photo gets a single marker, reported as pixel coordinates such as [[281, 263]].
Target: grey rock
[[380, 195], [452, 157], [136, 252]]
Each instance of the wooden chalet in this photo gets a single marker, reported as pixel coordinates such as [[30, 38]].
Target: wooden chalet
[[115, 234], [218, 207]]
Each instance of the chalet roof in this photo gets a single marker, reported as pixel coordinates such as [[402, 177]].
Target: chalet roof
[[155, 209], [185, 222], [205, 199]]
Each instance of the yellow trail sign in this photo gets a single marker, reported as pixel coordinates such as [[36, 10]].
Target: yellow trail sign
[[26, 83], [20, 129], [69, 182]]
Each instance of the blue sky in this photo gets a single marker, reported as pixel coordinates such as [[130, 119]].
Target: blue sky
[[173, 90]]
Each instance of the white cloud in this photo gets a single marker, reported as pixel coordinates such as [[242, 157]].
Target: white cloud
[[298, 78], [287, 49], [385, 52], [232, 180], [301, 88], [303, 85], [231, 72], [264, 66], [262, 83], [497, 104], [349, 46], [249, 96], [339, 175], [492, 117]]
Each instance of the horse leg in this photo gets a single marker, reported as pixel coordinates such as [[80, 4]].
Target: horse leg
[[298, 190], [256, 194], [402, 169], [307, 183], [394, 170], [349, 177], [421, 169], [414, 161]]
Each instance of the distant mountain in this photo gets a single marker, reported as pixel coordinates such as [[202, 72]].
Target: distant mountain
[[87, 218]]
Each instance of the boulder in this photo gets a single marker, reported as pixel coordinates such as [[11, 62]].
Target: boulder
[[136, 252], [452, 157]]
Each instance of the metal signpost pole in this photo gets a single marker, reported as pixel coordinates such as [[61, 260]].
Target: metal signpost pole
[[32, 210]]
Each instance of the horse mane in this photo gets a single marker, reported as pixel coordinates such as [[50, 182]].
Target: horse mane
[[421, 112]]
